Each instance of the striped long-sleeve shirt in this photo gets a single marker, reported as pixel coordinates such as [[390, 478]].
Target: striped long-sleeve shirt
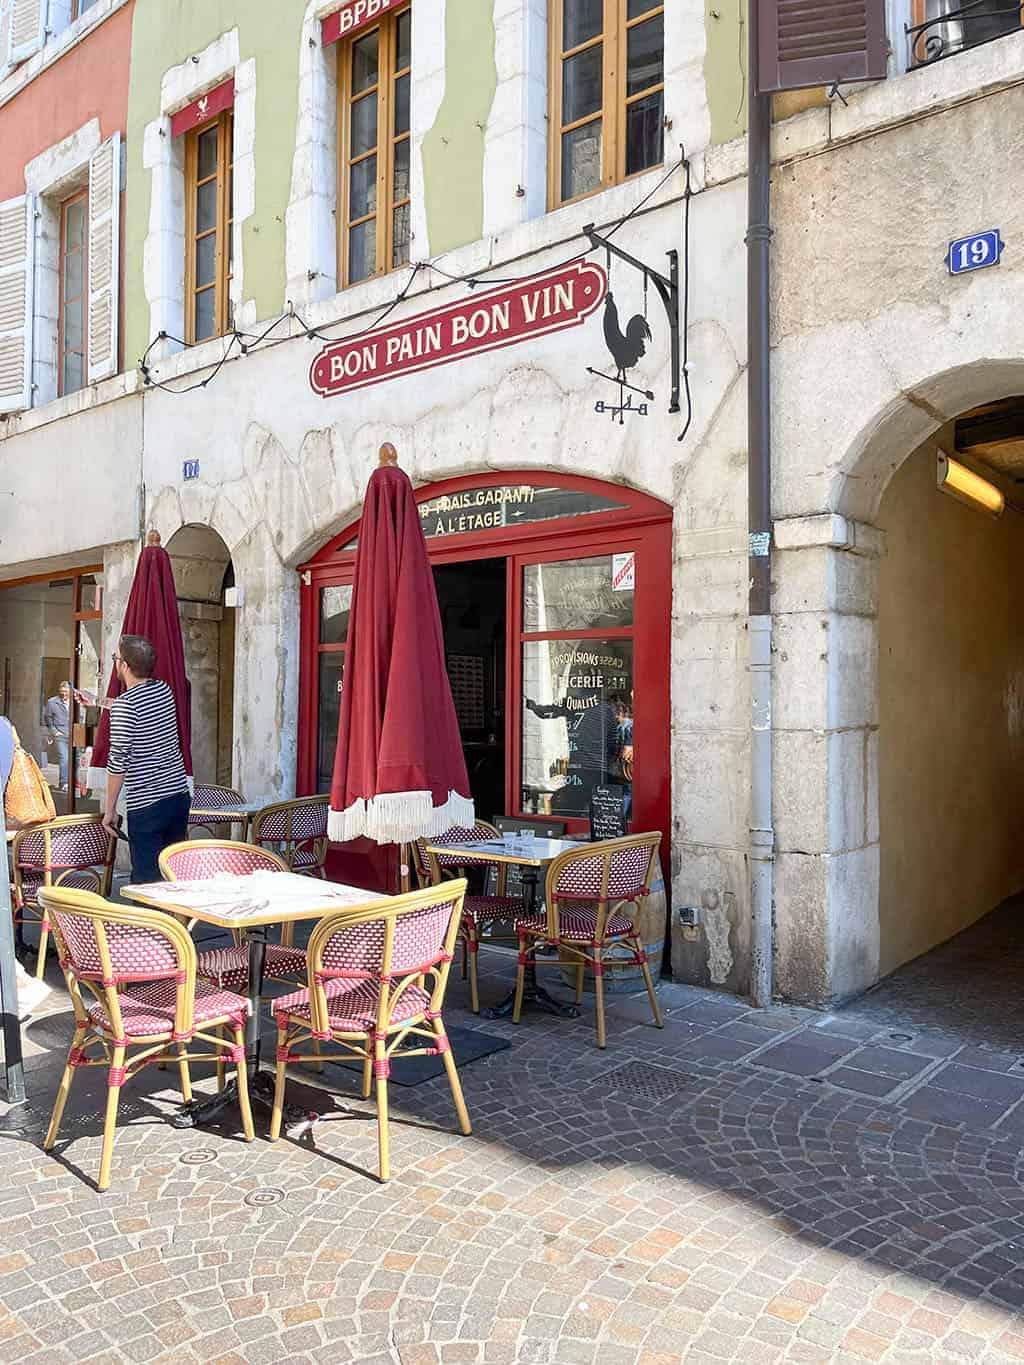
[[144, 744]]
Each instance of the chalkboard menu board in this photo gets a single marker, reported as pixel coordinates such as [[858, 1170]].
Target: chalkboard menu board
[[607, 813]]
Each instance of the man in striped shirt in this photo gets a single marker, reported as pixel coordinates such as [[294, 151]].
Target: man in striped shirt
[[145, 759]]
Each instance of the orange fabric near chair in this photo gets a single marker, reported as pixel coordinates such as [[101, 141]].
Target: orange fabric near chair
[[132, 979], [27, 799], [72, 851], [589, 898], [228, 968], [368, 994], [297, 830], [477, 911]]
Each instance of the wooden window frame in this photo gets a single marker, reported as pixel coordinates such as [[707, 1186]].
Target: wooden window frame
[[82, 196], [614, 37], [224, 122], [387, 141]]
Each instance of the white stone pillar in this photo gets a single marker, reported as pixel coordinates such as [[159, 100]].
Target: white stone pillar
[[826, 757]]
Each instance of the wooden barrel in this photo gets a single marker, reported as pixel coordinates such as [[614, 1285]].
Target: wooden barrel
[[651, 919]]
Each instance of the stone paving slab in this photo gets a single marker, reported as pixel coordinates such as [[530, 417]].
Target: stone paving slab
[[683, 1195]]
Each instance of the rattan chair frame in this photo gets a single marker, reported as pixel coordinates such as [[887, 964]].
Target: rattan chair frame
[[469, 929], [275, 863], [292, 845], [376, 1048], [581, 953], [153, 1049], [103, 873], [211, 825]]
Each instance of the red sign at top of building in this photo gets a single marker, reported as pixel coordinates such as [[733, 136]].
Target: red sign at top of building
[[548, 302], [353, 15]]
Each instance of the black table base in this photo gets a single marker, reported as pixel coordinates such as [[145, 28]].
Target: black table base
[[534, 998]]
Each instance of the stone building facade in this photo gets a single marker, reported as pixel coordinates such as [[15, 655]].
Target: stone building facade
[[897, 715]]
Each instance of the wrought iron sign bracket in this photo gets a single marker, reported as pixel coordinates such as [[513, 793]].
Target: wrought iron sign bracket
[[668, 291]]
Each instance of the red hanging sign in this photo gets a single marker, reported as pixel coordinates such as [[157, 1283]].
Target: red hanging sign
[[532, 307], [353, 15], [207, 106]]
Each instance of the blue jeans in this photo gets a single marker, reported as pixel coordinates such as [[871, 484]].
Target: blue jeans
[[151, 829]]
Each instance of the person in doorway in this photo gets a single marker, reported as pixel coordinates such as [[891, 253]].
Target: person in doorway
[[624, 716], [57, 719], [145, 759]]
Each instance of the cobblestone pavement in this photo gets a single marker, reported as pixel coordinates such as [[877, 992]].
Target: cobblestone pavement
[[748, 1186], [970, 984]]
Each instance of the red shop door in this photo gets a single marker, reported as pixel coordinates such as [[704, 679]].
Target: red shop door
[[587, 639]]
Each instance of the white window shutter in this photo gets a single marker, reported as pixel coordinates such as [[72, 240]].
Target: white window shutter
[[17, 254], [104, 238], [58, 16], [27, 28], [5, 37]]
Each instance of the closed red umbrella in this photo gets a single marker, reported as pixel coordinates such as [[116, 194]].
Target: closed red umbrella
[[152, 611], [399, 770]]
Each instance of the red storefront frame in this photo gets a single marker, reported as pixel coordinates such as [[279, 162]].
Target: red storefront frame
[[641, 524]]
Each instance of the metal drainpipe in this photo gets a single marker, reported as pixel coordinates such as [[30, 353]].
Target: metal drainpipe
[[759, 609]]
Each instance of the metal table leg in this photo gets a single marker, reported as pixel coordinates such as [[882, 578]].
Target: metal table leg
[[534, 997]]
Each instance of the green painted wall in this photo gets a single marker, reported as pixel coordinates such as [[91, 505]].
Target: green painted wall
[[725, 67], [166, 33], [453, 150]]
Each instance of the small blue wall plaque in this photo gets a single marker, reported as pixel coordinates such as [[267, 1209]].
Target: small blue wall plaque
[[974, 252], [190, 469]]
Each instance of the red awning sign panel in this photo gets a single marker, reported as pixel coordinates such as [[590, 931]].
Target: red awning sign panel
[[206, 107], [550, 302], [352, 16]]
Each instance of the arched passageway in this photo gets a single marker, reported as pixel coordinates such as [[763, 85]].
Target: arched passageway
[[948, 793], [202, 573]]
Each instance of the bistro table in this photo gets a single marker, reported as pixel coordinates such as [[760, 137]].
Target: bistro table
[[237, 813], [531, 854], [248, 904]]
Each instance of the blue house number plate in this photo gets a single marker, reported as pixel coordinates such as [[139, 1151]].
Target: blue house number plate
[[974, 252], [190, 469]]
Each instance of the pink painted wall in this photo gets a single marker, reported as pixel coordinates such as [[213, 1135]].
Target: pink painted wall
[[90, 81]]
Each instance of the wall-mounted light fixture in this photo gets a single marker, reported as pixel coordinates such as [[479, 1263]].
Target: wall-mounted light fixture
[[963, 484]]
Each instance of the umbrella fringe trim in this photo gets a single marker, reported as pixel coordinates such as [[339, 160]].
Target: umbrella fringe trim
[[399, 817]]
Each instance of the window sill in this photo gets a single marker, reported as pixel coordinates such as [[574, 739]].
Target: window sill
[[55, 47], [82, 400]]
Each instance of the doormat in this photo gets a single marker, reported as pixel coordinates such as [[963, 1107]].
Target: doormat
[[468, 1045]]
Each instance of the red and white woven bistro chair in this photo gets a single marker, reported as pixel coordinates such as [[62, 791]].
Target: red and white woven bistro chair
[[208, 797], [132, 978], [228, 968], [297, 831], [377, 977], [478, 912], [72, 851], [590, 897]]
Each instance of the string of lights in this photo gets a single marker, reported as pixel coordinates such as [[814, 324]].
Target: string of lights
[[246, 342]]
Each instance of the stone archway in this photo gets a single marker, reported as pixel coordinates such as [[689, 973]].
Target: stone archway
[[893, 598], [203, 570]]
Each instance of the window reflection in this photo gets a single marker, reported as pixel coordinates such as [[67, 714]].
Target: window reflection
[[576, 594], [334, 609], [332, 664], [577, 722]]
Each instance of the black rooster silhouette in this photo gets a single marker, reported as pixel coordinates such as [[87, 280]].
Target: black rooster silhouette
[[626, 350]]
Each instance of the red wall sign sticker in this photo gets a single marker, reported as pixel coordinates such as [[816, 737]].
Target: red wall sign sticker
[[353, 15], [544, 303]]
